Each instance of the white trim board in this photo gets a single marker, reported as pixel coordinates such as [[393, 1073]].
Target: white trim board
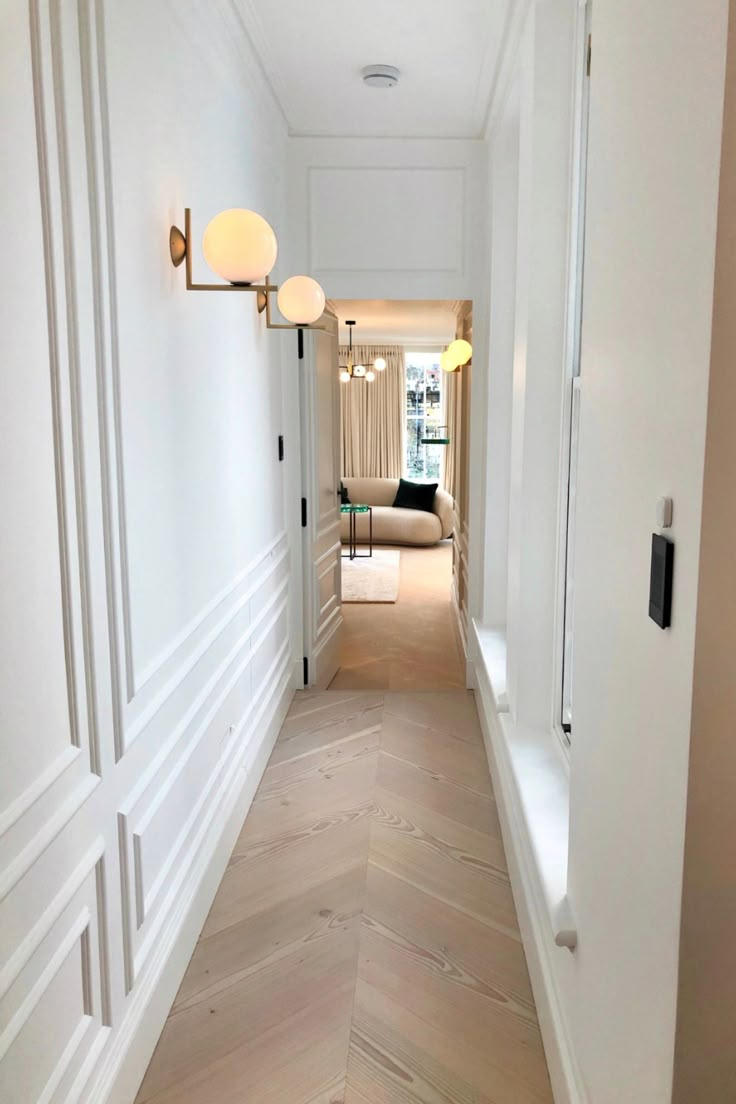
[[531, 900]]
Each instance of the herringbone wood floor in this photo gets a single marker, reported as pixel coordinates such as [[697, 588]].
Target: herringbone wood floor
[[363, 945]]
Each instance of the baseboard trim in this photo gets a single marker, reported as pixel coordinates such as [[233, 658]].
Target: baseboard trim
[[531, 908], [119, 1078]]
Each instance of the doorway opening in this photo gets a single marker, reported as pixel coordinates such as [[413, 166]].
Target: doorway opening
[[401, 519]]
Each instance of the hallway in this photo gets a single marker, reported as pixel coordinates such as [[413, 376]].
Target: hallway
[[363, 945]]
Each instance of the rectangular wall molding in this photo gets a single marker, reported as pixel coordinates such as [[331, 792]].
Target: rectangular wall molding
[[358, 211]]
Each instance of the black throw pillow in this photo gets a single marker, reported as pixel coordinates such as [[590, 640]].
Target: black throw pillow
[[415, 496], [344, 497]]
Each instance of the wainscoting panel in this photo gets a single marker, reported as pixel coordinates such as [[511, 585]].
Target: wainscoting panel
[[123, 787], [160, 826], [54, 991]]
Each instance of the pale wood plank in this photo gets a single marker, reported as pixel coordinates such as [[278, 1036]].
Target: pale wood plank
[[363, 945]]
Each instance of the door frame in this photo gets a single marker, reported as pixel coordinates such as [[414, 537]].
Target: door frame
[[313, 674]]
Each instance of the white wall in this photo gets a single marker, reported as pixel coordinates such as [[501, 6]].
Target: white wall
[[145, 643], [652, 200], [504, 195], [546, 106], [655, 129]]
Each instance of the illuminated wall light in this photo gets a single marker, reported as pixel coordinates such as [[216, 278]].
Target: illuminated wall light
[[460, 350], [301, 300], [240, 246]]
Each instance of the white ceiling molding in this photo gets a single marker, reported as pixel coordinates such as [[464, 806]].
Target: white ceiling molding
[[448, 54], [515, 22], [418, 323], [258, 42]]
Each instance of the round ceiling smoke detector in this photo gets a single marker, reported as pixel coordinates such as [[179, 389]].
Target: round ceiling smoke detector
[[381, 76]]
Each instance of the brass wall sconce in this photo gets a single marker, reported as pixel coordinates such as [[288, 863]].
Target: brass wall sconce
[[456, 355], [241, 247]]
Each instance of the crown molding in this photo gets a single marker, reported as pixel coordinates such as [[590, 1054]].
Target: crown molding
[[516, 18], [245, 12]]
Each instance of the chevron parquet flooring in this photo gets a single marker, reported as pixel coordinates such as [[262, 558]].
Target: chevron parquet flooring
[[363, 945]]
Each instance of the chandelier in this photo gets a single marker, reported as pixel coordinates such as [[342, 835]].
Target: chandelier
[[352, 371]]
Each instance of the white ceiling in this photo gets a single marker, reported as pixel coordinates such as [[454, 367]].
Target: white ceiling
[[397, 321], [313, 53]]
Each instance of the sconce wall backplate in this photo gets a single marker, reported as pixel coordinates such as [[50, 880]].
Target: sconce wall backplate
[[177, 246]]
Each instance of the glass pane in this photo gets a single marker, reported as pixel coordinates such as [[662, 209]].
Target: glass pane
[[423, 416]]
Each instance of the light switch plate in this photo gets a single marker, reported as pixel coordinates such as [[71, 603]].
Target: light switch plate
[[664, 513]]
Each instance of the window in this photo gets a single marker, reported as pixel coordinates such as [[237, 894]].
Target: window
[[424, 409], [566, 601]]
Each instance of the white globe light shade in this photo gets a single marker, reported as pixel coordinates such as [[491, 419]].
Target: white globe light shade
[[301, 300], [359, 370], [448, 362], [379, 364], [345, 376], [460, 350], [370, 376], [240, 246]]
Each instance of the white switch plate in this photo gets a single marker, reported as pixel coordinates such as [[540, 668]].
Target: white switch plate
[[664, 513]]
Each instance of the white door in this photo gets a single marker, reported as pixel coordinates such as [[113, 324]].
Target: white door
[[320, 409]]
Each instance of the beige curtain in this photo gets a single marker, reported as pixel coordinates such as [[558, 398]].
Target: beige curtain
[[373, 414]]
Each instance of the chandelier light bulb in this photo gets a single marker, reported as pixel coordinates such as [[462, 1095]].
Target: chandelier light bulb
[[370, 376], [240, 246], [379, 364], [460, 350], [344, 376], [301, 300]]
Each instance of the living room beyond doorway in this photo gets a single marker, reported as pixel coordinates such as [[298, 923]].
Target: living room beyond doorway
[[409, 644], [404, 402]]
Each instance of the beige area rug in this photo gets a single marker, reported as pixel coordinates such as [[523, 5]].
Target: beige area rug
[[371, 578]]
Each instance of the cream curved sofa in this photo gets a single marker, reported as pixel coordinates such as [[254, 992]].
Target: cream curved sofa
[[394, 524]]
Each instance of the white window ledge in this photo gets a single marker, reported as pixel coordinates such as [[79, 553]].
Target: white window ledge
[[536, 784], [491, 645]]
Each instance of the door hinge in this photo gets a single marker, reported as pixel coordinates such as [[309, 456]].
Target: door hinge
[[304, 513], [589, 55], [306, 671], [300, 344]]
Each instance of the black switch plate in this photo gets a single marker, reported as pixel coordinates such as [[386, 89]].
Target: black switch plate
[[660, 580], [281, 448]]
